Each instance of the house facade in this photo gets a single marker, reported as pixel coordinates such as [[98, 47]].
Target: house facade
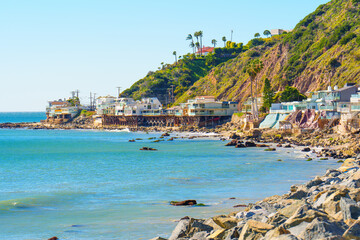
[[207, 106]]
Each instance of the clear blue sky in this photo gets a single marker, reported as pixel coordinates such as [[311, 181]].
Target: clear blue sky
[[49, 48]]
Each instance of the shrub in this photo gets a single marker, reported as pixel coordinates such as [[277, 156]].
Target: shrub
[[347, 38]]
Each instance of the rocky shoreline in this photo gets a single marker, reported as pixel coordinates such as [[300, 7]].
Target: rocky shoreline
[[327, 207]]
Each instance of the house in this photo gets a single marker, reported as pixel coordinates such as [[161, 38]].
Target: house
[[122, 103], [208, 106], [277, 31], [205, 51], [61, 111], [105, 105]]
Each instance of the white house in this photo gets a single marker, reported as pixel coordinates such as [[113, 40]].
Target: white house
[[105, 105], [208, 106]]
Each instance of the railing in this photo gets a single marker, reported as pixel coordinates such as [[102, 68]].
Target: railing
[[328, 108]]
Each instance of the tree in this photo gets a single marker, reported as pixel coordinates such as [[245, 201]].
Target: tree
[[267, 33], [332, 65], [192, 45], [253, 68], [268, 94], [224, 40], [197, 35], [257, 35], [214, 42], [291, 94], [174, 53], [201, 46]]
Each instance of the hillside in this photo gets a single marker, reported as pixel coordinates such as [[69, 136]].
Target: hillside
[[324, 45]]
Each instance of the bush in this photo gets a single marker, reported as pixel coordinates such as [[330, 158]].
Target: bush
[[347, 38], [253, 54]]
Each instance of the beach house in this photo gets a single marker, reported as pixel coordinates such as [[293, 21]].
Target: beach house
[[61, 111], [208, 106], [105, 105], [205, 51]]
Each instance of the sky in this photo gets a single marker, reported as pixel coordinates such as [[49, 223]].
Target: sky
[[50, 48]]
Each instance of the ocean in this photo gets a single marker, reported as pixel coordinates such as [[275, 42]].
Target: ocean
[[81, 184]]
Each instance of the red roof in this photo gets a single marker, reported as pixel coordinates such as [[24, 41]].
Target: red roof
[[205, 49]]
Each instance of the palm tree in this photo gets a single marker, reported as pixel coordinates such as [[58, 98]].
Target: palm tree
[[257, 35], [267, 33], [197, 35], [197, 45], [201, 46], [214, 42], [174, 53], [224, 40], [192, 45], [253, 68]]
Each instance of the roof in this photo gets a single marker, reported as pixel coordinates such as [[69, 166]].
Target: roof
[[205, 50], [205, 97]]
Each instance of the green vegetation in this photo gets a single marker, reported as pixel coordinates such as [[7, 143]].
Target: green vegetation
[[75, 101], [268, 95], [289, 94], [324, 46], [87, 113]]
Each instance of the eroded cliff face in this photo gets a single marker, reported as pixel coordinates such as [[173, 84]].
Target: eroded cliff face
[[324, 47]]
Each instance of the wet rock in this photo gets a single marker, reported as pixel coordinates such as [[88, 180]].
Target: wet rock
[[53, 238], [240, 145], [304, 214], [307, 149], [165, 135], [158, 238], [148, 149], [184, 203], [232, 143], [250, 144], [262, 145], [270, 149]]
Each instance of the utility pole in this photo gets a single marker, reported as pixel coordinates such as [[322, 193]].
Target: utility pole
[[72, 94], [231, 35], [119, 88], [90, 102], [77, 93], [94, 102]]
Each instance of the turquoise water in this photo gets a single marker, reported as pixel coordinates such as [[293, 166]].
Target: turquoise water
[[97, 185], [17, 117]]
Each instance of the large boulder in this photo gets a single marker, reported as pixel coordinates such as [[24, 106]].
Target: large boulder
[[217, 235], [349, 208], [305, 213], [181, 229], [225, 221], [254, 229], [300, 194], [321, 229]]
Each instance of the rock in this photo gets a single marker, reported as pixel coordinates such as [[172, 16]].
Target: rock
[[234, 136], [225, 222], [131, 140], [148, 149], [288, 146], [288, 211], [53, 238], [240, 145], [332, 205], [348, 164], [285, 237], [181, 229], [353, 232], [218, 234], [349, 208], [307, 149], [250, 144], [254, 228], [305, 213], [262, 145], [270, 149], [158, 238], [322, 229], [332, 173], [315, 182], [276, 232], [354, 194], [184, 203], [200, 236], [232, 143], [298, 195], [233, 233], [165, 135]]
